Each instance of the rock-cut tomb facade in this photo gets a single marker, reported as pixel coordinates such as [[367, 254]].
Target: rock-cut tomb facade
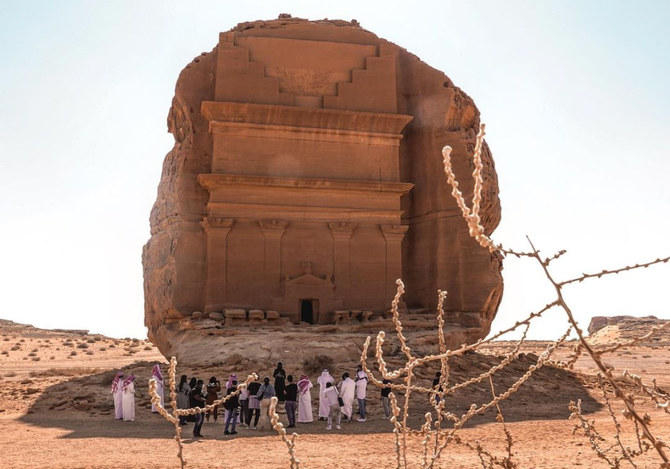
[[306, 178]]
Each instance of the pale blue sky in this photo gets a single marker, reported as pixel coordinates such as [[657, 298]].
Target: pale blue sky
[[575, 96]]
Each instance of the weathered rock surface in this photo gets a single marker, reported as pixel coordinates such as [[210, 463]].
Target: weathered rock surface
[[622, 329], [182, 273], [599, 322]]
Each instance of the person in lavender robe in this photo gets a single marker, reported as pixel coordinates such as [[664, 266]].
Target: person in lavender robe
[[117, 394]]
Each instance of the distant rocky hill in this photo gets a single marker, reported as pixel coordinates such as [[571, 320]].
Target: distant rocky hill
[[616, 328], [598, 322], [26, 330]]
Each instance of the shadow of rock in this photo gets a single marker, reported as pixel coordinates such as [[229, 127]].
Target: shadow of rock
[[83, 404], [544, 396]]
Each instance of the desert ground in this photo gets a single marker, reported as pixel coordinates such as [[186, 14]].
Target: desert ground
[[57, 411]]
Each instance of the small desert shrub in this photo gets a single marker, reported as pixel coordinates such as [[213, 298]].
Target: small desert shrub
[[50, 372], [90, 352], [82, 345], [52, 357], [22, 340], [32, 354], [6, 339], [5, 352], [103, 349], [317, 363], [148, 347], [36, 359], [73, 353], [34, 350], [107, 377], [11, 374], [112, 346], [16, 347]]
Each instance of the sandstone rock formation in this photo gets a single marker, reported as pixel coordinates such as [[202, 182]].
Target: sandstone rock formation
[[622, 329], [600, 322], [305, 178]]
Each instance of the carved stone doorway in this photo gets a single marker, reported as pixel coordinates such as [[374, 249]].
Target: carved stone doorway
[[309, 309]]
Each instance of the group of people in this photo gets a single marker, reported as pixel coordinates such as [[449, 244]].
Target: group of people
[[338, 400], [123, 392], [250, 407]]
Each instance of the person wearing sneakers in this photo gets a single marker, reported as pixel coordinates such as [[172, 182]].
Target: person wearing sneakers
[[291, 403], [197, 399], [361, 391], [332, 397], [231, 406]]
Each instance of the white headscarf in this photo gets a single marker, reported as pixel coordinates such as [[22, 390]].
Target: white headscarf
[[325, 378]]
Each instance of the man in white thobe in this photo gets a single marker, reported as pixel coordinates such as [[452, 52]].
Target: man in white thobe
[[361, 392], [324, 408], [158, 376], [128, 398], [347, 389]]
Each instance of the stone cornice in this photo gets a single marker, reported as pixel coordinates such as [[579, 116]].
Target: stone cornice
[[303, 117], [211, 181]]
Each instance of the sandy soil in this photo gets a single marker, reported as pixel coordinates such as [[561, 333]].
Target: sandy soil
[[57, 411]]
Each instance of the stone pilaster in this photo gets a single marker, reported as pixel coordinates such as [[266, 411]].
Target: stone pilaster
[[394, 234], [341, 232], [273, 231], [216, 231]]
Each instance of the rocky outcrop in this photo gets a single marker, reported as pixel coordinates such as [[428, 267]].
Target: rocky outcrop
[[437, 252], [599, 322]]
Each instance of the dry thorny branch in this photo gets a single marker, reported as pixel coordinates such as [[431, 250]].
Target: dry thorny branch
[[435, 437], [441, 427]]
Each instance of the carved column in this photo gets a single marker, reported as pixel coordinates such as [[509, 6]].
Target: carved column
[[273, 231], [216, 231], [341, 232], [394, 234]]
